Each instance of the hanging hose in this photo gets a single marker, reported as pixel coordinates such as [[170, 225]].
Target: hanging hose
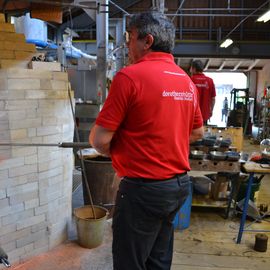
[[84, 177]]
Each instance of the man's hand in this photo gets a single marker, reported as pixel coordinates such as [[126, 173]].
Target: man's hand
[[196, 134]]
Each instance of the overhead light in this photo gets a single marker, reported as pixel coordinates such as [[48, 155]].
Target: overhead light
[[226, 43], [265, 17]]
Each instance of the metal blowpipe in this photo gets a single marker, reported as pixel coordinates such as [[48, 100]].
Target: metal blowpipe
[[63, 144], [4, 258]]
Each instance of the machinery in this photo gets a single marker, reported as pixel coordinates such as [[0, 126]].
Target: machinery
[[239, 110]]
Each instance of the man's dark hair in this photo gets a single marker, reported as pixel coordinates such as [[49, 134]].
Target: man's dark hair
[[197, 65], [158, 25]]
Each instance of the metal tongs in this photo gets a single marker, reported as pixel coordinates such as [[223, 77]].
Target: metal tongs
[[4, 258]]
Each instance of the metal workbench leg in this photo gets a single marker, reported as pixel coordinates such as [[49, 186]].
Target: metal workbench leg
[[234, 179], [244, 214]]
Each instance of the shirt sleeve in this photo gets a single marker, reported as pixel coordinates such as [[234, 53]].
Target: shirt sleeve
[[213, 89], [117, 102], [198, 120]]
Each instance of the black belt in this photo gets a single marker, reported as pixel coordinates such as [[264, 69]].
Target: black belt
[[148, 180]]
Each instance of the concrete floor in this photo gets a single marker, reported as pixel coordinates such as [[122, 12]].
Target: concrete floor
[[70, 256]]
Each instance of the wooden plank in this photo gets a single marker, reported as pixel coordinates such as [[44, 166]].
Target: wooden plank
[[190, 267], [234, 262], [2, 18], [212, 236], [256, 167], [220, 249], [205, 201]]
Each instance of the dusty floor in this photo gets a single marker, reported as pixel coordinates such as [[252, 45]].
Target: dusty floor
[[208, 244]]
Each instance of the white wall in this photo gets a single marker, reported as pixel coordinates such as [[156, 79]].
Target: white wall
[[263, 80]]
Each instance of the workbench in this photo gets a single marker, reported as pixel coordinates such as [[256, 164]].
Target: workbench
[[251, 168], [230, 167], [214, 166]]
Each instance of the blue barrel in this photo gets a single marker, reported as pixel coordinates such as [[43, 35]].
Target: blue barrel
[[182, 218]]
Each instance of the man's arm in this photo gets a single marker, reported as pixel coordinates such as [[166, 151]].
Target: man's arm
[[100, 138], [213, 103], [196, 134]]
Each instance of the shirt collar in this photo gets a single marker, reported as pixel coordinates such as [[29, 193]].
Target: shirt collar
[[154, 56]]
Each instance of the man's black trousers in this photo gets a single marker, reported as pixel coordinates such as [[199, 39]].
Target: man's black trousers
[[143, 222]]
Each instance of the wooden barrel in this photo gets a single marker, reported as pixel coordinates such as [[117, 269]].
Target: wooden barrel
[[261, 242]]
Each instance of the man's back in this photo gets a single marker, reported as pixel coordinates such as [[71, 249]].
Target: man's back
[[206, 90], [161, 108]]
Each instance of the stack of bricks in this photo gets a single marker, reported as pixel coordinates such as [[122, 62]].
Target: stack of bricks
[[35, 182], [14, 51]]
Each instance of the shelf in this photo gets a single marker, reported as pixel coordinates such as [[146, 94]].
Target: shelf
[[205, 201]]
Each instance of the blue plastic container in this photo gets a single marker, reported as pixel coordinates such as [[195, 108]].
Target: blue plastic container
[[182, 218]]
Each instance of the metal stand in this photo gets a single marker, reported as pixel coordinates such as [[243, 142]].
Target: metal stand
[[244, 215]]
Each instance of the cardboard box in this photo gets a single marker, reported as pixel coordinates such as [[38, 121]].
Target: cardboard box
[[233, 133]]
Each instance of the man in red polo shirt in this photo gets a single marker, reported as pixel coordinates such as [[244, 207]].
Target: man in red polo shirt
[[146, 124], [206, 89]]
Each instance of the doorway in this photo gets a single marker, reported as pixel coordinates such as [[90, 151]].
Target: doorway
[[224, 83]]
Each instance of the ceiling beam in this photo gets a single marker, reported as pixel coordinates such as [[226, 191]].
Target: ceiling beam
[[255, 62], [222, 65], [211, 49], [207, 64], [237, 65], [230, 68]]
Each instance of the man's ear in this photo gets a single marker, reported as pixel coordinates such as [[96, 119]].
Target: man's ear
[[149, 40]]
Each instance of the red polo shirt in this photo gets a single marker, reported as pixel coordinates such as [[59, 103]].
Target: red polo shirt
[[207, 92], [152, 106]]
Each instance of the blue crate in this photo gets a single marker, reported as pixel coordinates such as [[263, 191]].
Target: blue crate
[[182, 218]]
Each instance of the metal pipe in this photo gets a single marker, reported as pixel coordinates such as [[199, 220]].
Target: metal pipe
[[217, 9], [251, 14], [208, 15], [180, 6], [84, 176], [119, 7], [63, 144], [61, 4], [102, 50]]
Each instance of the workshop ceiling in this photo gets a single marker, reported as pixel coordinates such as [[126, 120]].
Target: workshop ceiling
[[194, 19], [200, 26], [224, 64]]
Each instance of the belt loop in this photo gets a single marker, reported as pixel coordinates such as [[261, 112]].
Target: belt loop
[[179, 180]]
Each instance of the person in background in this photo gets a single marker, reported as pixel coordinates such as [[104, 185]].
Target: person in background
[[149, 118], [224, 111], [206, 89]]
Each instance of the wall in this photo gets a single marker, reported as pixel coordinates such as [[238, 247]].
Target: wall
[[35, 182], [263, 80]]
